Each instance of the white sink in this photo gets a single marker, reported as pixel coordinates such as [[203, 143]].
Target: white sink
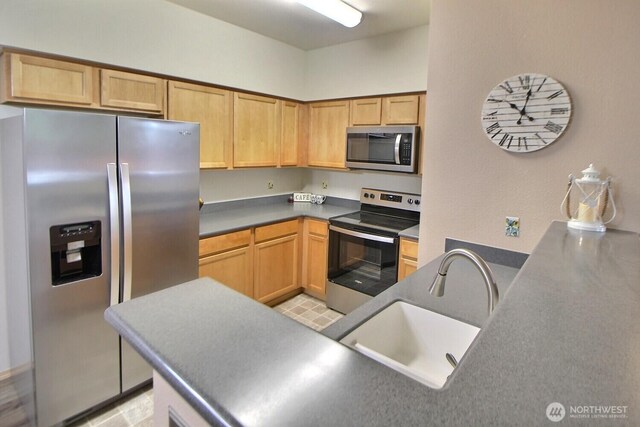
[[413, 341]]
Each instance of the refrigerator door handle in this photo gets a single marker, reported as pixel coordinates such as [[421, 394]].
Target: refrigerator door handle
[[114, 227], [127, 230]]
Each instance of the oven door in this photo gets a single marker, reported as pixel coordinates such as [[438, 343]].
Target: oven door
[[361, 265]]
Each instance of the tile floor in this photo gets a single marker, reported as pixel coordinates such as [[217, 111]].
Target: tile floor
[[309, 311], [137, 410]]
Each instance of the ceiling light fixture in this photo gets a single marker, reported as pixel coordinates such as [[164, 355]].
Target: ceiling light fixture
[[336, 10]]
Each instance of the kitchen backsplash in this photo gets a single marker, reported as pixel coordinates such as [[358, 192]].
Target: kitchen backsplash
[[225, 185], [347, 185]]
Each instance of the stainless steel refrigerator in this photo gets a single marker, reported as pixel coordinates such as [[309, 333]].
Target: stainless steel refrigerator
[[98, 209]]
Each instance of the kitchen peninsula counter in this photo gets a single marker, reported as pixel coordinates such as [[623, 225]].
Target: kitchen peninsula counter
[[566, 330]]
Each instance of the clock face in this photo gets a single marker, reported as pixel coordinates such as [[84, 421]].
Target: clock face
[[526, 113]]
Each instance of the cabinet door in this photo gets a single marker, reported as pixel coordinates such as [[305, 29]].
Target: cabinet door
[[131, 91], [213, 109], [315, 257], [256, 130], [366, 111], [47, 81], [328, 123], [408, 262], [232, 268], [227, 258], [290, 134], [275, 267], [400, 110]]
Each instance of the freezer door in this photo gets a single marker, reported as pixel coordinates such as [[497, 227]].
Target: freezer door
[[160, 177], [76, 352]]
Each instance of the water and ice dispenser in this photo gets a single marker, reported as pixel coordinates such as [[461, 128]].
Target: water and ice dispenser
[[75, 252]]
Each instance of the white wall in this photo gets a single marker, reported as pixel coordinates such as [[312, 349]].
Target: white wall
[[217, 186], [390, 63], [155, 36], [347, 185], [591, 46]]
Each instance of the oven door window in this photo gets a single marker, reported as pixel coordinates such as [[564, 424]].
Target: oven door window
[[362, 264]]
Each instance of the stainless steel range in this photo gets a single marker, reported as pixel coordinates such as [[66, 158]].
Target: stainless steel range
[[363, 247]]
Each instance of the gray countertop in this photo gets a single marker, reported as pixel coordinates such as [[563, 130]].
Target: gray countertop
[[566, 331], [239, 218], [412, 233]]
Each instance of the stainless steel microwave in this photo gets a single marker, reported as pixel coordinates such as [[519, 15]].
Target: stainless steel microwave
[[387, 148]]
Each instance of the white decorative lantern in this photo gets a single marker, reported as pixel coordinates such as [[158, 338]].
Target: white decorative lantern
[[593, 195]]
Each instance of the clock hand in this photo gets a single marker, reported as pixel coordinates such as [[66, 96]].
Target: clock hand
[[522, 112]]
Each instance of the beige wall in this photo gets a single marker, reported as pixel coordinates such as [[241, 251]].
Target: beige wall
[[592, 47]]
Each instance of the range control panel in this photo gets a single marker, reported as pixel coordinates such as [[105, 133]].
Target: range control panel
[[390, 199]]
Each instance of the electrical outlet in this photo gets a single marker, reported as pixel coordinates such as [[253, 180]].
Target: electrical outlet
[[512, 226], [325, 184], [269, 185]]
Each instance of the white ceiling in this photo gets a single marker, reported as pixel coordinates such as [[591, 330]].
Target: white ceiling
[[296, 25]]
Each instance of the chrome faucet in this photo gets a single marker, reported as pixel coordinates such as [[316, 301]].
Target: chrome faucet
[[437, 287]]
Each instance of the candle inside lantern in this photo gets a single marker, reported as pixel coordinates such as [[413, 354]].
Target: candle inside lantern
[[586, 213]]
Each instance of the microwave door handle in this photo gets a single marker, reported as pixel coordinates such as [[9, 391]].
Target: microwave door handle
[[397, 148], [362, 235]]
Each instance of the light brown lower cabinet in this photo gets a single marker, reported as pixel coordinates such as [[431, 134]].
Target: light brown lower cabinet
[[276, 260], [263, 262], [408, 258], [315, 253], [228, 258]]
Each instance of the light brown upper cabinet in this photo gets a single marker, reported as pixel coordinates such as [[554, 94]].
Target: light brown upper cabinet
[[47, 81], [213, 109], [366, 111], [401, 110], [256, 130], [328, 123], [290, 138], [129, 91], [386, 110]]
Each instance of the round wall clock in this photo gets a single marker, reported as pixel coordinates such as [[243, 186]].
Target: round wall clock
[[526, 113]]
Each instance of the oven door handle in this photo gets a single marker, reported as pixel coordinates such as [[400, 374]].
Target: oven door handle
[[362, 235]]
